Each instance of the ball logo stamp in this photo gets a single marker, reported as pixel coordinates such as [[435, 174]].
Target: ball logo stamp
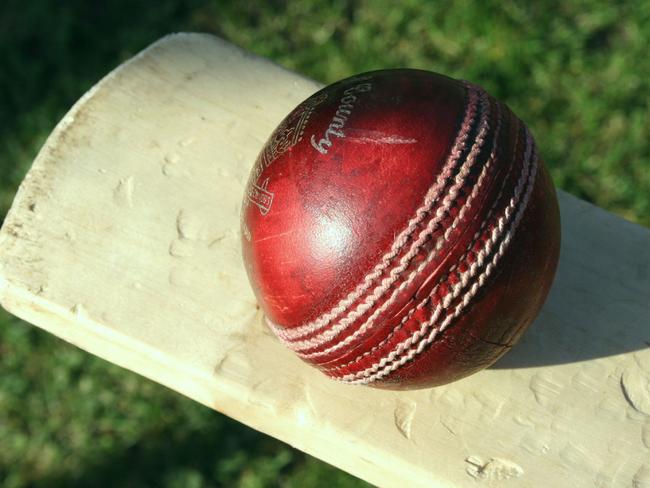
[[260, 196], [287, 135], [343, 111], [290, 131], [400, 265]]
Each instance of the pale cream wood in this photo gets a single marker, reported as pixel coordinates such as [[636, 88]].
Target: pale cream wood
[[124, 240]]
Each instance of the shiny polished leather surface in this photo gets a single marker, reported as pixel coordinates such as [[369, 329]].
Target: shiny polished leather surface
[[355, 172]]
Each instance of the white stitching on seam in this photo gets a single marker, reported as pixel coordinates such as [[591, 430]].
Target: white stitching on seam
[[475, 238], [401, 240], [461, 215], [396, 359]]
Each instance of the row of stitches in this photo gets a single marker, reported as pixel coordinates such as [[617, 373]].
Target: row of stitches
[[460, 181], [418, 342], [468, 256], [469, 281], [294, 334], [442, 212], [437, 215]]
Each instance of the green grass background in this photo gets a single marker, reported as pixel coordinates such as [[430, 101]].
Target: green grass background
[[578, 72]]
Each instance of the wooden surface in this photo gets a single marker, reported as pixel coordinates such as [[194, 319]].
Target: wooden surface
[[123, 240]]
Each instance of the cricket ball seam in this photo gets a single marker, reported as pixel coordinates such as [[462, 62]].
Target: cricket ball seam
[[292, 334], [467, 205], [464, 260], [395, 274], [478, 235], [417, 342]]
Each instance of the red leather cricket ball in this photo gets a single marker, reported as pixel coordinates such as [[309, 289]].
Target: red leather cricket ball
[[400, 229]]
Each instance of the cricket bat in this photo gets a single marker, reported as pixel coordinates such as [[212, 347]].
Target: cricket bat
[[124, 241]]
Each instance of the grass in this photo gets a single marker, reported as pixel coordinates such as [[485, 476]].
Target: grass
[[577, 72]]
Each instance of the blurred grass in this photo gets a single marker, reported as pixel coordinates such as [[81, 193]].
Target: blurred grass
[[578, 73]]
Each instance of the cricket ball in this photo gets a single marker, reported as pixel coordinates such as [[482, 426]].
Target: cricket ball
[[400, 230]]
